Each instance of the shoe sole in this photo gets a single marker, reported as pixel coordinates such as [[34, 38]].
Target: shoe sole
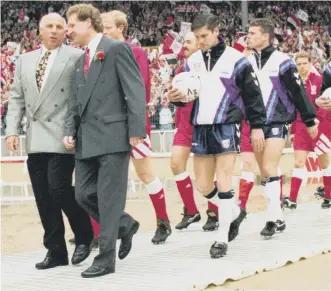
[[161, 242], [210, 229], [93, 276], [184, 227], [289, 207], [218, 256], [158, 243], [60, 265], [133, 231], [266, 237]]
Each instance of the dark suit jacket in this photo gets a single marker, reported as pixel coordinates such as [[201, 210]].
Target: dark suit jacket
[[109, 107]]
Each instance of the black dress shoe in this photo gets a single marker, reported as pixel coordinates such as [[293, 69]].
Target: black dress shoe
[[51, 262], [126, 241], [96, 271], [95, 243], [81, 253]]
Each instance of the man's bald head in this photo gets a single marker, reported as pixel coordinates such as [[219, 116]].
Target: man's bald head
[[190, 44], [50, 17], [52, 30]]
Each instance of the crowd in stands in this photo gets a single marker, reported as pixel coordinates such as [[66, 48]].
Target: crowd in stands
[[150, 20]]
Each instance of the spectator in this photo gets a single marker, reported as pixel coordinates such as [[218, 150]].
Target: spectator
[[166, 119], [150, 20]]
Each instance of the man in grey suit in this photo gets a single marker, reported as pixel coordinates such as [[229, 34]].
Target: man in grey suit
[[106, 118], [41, 89]]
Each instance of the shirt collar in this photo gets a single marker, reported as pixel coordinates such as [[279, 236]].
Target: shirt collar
[[44, 50], [93, 45]]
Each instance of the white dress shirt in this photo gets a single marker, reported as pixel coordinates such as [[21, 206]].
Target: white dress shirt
[[93, 45], [50, 62]]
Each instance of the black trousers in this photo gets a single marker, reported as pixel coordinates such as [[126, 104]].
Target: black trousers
[[51, 179], [101, 187]]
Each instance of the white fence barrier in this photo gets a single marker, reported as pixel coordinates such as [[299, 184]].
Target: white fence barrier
[[161, 142]]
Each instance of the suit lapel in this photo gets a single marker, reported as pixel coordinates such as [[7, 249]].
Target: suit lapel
[[54, 75], [80, 71], [93, 74], [31, 76]]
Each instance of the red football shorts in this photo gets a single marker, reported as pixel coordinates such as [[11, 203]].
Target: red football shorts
[[182, 138], [184, 129], [245, 145], [320, 145]]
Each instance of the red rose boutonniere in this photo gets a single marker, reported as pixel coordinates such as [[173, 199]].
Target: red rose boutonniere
[[99, 55]]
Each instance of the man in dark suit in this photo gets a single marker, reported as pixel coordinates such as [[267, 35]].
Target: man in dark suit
[[106, 118], [41, 90]]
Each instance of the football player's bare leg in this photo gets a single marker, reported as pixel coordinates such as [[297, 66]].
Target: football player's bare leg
[[156, 192], [204, 170], [179, 158]]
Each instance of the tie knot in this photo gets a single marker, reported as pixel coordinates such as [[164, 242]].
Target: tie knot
[[87, 51], [47, 54]]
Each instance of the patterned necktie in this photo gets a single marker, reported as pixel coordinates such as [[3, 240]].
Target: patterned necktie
[[86, 62], [41, 69]]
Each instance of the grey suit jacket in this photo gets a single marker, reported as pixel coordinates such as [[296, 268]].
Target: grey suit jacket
[[109, 106], [45, 110]]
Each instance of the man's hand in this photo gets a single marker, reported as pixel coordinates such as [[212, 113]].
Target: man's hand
[[12, 143], [257, 138], [69, 142], [135, 140], [291, 138], [323, 102], [174, 95], [313, 130]]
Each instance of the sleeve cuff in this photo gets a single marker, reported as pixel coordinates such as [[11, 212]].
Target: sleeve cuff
[[310, 123], [179, 104]]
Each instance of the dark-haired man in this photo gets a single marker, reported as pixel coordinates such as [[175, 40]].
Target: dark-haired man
[[228, 85], [106, 119], [283, 93]]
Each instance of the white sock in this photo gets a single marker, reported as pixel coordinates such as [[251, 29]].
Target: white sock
[[154, 187], [213, 197], [299, 173], [225, 207], [248, 176], [182, 176], [274, 210]]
